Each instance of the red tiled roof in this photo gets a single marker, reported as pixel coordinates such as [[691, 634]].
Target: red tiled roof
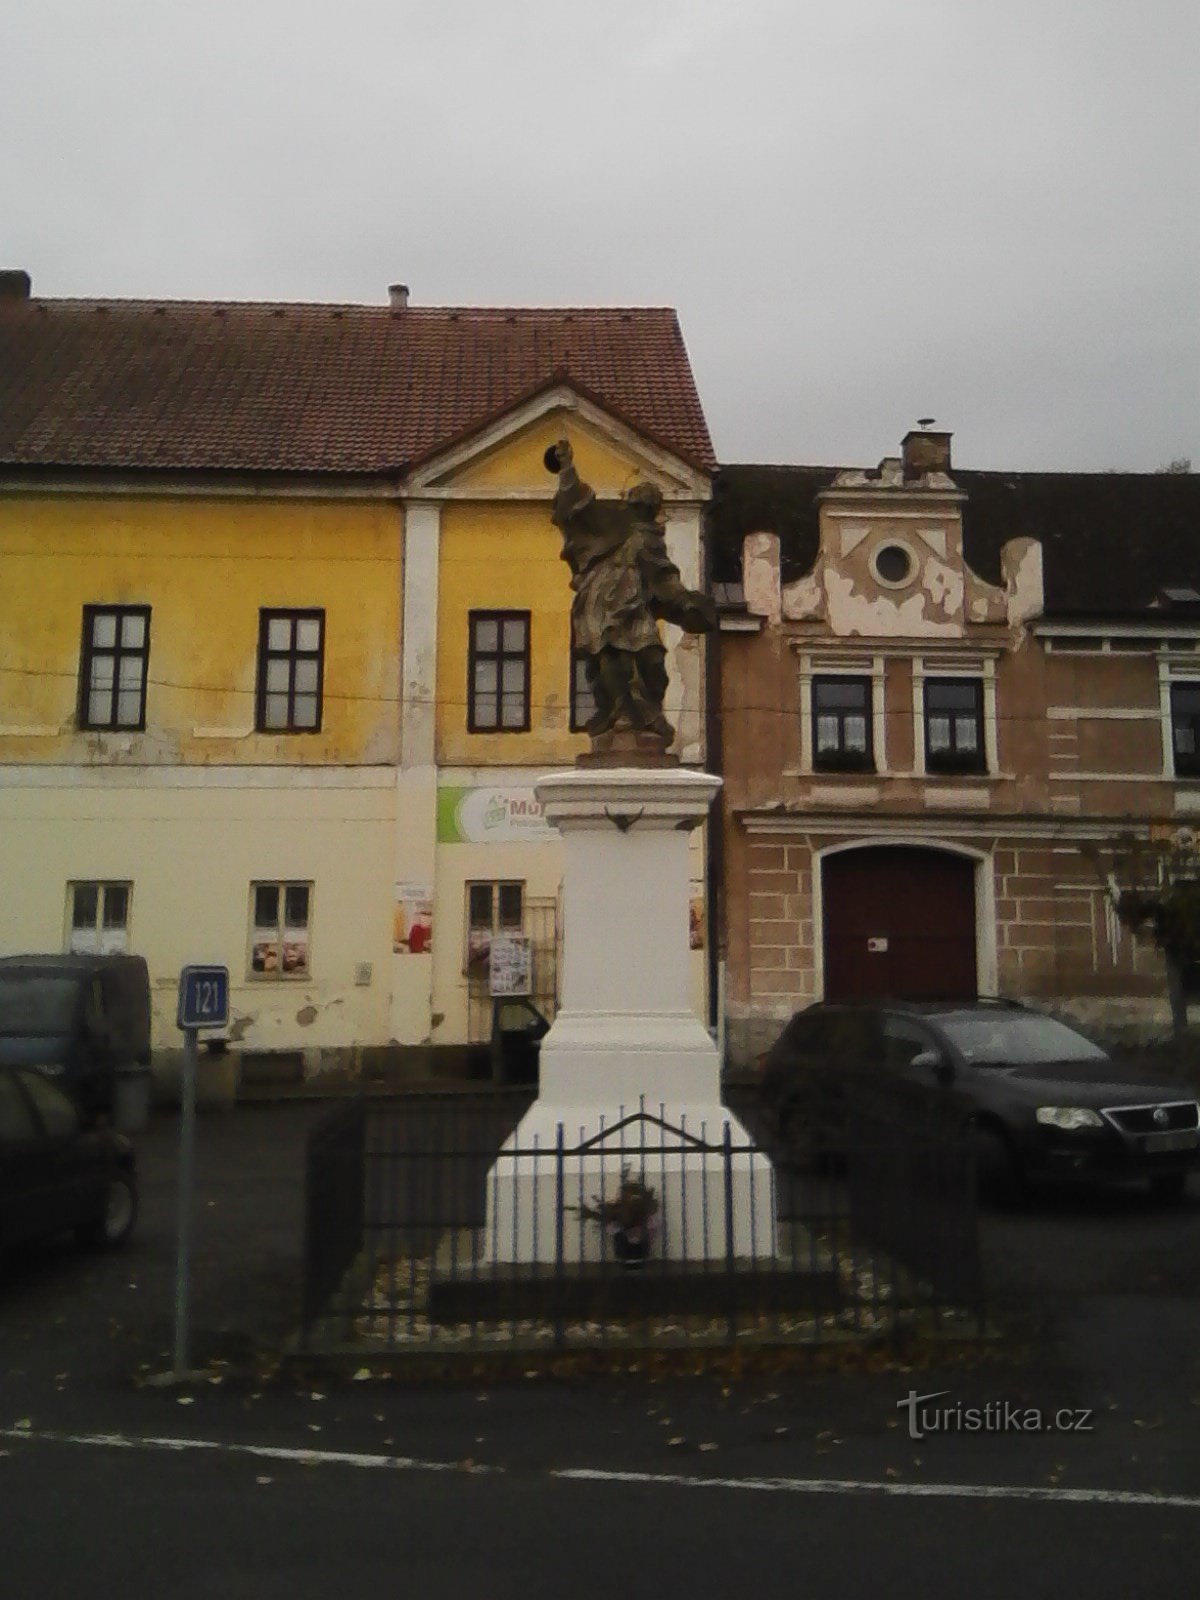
[[183, 386]]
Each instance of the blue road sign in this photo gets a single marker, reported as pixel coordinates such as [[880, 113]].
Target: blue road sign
[[203, 997]]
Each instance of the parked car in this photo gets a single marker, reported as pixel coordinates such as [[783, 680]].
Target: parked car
[[56, 1172], [78, 1019], [1039, 1099], [518, 1028]]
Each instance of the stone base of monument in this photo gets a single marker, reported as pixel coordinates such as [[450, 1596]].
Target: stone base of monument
[[629, 1084], [466, 1287]]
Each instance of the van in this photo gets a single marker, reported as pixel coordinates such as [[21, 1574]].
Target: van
[[79, 1019]]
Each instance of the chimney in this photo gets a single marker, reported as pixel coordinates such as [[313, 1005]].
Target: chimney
[[15, 285], [925, 449], [398, 296]]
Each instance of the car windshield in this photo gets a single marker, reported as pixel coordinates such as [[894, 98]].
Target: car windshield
[[34, 1006], [990, 1039]]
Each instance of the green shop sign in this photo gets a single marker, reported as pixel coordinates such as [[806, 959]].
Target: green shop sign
[[490, 814]]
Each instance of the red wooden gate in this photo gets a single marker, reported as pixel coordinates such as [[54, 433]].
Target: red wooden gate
[[899, 924]]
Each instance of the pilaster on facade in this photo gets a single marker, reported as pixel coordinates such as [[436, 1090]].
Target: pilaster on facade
[[415, 852]]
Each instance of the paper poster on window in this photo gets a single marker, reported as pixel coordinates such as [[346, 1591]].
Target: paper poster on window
[[412, 919], [510, 965], [288, 955], [295, 951], [264, 956]]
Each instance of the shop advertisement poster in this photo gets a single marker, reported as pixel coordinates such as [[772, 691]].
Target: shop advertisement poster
[[412, 919], [491, 814], [510, 965]]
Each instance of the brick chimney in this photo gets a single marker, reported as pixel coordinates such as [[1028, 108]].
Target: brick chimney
[[925, 449], [398, 296], [15, 284]]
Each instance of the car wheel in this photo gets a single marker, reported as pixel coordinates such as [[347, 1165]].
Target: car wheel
[[115, 1223], [999, 1176], [1169, 1186]]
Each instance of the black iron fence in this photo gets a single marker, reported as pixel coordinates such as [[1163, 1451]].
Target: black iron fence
[[431, 1226], [334, 1204]]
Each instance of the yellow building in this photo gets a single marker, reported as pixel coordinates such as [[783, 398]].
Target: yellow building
[[258, 568]]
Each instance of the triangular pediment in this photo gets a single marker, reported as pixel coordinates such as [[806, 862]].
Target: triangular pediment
[[504, 457]]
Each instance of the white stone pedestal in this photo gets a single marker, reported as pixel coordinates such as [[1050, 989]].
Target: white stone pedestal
[[627, 1069]]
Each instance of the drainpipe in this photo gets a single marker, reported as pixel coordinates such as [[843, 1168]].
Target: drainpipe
[[715, 852]]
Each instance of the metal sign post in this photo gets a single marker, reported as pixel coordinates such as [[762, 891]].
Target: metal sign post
[[203, 1003]]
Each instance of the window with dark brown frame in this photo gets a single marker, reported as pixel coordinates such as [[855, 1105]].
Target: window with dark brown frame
[[1185, 728], [291, 671], [954, 725], [498, 672], [583, 701], [113, 664], [842, 732]]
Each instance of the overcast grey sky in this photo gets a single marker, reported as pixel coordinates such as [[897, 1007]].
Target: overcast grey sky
[[987, 211]]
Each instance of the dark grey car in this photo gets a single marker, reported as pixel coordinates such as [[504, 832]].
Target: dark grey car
[[57, 1174], [1040, 1100], [80, 1019]]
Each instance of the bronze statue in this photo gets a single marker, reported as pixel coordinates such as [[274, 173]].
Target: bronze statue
[[624, 583]]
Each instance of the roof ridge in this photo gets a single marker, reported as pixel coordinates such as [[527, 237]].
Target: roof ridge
[[135, 302]]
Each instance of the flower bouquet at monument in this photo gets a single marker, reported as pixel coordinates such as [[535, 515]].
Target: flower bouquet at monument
[[629, 1218]]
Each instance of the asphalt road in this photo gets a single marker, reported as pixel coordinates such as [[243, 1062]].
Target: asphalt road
[[181, 1524], [810, 1479]]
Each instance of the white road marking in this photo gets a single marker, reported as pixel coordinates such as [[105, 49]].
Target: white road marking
[[887, 1488], [267, 1452]]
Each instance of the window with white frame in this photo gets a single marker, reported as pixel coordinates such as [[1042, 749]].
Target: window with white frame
[[954, 729], [842, 723], [1185, 728], [955, 721], [113, 665], [98, 918], [280, 926]]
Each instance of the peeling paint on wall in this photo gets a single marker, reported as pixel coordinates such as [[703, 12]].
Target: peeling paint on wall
[[760, 575], [944, 584], [804, 600], [1021, 564], [881, 616]]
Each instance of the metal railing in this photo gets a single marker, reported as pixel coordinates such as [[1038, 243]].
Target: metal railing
[[430, 1228], [334, 1204]]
